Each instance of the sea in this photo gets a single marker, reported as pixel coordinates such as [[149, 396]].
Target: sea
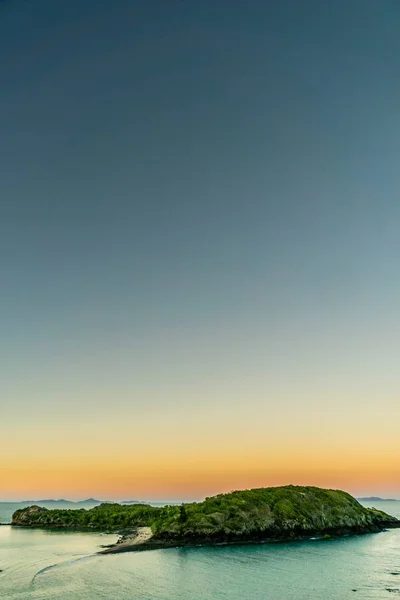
[[48, 565]]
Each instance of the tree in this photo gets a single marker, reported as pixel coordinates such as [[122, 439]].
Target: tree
[[182, 514]]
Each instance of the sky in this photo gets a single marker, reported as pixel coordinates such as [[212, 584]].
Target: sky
[[199, 247]]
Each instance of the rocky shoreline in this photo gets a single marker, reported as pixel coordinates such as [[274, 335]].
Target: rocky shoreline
[[143, 539]]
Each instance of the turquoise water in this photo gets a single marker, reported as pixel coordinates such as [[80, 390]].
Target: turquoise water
[[41, 565]]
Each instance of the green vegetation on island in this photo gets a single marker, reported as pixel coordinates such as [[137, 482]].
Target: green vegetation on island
[[105, 517], [276, 513]]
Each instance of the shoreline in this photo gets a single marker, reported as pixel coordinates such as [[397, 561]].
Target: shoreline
[[142, 541]]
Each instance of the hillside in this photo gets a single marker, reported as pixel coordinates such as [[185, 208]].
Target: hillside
[[283, 512], [278, 513]]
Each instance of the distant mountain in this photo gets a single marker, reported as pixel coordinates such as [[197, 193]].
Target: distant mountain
[[127, 502], [8, 508], [48, 501], [62, 501], [377, 499]]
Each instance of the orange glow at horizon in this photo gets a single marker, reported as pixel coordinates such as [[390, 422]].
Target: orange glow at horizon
[[200, 451], [190, 479]]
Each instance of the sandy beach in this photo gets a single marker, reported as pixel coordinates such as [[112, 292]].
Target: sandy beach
[[126, 542]]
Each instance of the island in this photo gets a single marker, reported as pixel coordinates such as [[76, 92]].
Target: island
[[250, 516]]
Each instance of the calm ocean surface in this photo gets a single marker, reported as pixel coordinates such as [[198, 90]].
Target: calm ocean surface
[[41, 565]]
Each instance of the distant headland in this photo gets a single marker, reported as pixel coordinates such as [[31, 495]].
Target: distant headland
[[377, 499], [63, 501], [249, 516]]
